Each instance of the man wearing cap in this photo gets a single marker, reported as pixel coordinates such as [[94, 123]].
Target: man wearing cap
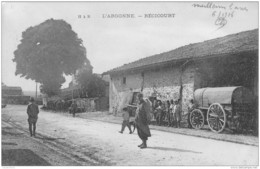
[[142, 121], [32, 111]]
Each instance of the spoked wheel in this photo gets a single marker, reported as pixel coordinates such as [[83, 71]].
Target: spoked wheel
[[216, 117], [197, 119]]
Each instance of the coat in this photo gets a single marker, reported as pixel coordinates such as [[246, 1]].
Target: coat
[[32, 111], [141, 119]]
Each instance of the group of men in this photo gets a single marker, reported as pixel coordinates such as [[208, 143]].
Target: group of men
[[170, 110], [141, 120]]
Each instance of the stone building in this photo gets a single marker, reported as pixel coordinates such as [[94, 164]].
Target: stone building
[[227, 61]]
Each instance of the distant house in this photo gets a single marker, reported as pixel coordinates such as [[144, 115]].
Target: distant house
[[227, 61], [13, 95], [11, 91]]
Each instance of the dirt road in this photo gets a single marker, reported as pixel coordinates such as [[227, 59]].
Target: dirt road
[[98, 143]]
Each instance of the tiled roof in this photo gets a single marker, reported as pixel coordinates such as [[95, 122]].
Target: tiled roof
[[234, 43]]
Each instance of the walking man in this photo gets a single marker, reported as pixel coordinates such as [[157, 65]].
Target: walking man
[[32, 111], [142, 121], [125, 123]]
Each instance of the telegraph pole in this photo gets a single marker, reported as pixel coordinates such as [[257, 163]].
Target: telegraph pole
[[36, 91]]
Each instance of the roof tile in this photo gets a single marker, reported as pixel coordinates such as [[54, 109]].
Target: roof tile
[[243, 41]]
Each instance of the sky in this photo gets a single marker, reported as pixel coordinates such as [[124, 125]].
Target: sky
[[112, 42]]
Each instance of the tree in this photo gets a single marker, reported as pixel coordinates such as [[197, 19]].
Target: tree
[[49, 51], [83, 77], [91, 83], [96, 86]]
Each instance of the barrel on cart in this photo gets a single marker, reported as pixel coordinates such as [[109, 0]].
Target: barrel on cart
[[222, 107]]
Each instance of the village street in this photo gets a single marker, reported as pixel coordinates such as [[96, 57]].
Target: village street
[[77, 141]]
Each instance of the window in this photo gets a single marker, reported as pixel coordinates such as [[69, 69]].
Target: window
[[124, 80]]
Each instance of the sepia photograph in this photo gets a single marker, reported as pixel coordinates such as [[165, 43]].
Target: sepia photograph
[[128, 83]]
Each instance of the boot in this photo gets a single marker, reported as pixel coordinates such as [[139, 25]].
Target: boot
[[140, 145], [122, 129], [31, 133], [144, 144]]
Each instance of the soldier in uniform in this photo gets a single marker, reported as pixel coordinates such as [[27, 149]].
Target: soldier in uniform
[[32, 111], [142, 121], [159, 113], [73, 108]]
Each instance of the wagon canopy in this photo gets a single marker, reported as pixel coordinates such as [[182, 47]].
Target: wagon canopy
[[223, 95]]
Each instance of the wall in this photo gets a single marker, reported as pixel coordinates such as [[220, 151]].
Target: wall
[[93, 104], [119, 92], [163, 83]]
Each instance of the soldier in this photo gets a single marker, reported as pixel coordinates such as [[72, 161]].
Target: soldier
[[158, 112], [32, 111], [142, 121], [155, 105], [73, 108]]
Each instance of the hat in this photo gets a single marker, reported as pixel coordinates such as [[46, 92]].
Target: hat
[[31, 99]]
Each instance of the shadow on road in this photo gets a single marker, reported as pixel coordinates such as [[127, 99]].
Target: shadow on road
[[173, 149], [22, 157]]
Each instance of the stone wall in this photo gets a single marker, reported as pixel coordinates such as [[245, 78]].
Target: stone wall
[[163, 83]]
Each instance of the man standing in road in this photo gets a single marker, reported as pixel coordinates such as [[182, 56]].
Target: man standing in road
[[32, 111], [142, 121], [73, 108]]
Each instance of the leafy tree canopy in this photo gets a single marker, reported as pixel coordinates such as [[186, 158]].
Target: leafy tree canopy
[[96, 86], [90, 83], [49, 51]]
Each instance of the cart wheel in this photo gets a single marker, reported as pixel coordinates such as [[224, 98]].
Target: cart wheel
[[216, 117], [197, 119]]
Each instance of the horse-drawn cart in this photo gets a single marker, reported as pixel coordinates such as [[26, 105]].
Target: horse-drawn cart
[[222, 107]]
